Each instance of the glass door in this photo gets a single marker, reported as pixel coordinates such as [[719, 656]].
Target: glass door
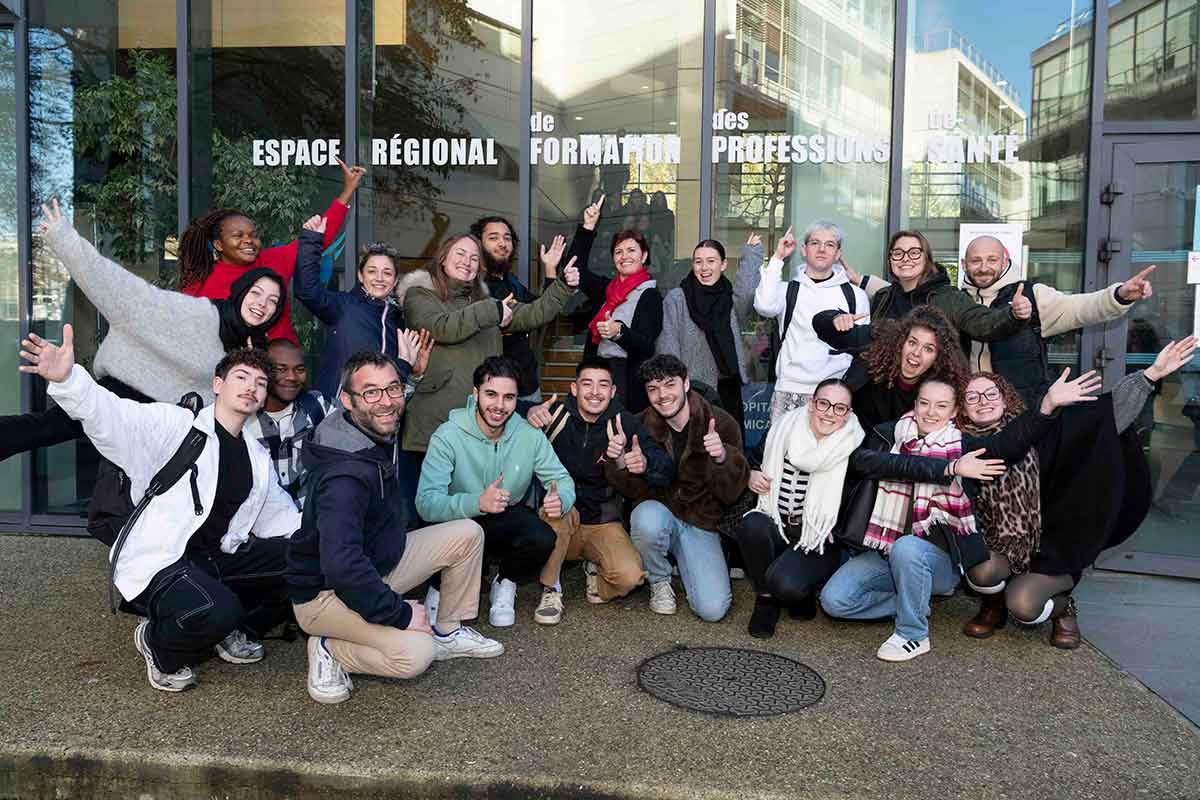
[[1154, 221]]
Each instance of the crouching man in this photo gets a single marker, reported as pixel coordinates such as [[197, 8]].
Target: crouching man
[[352, 559], [188, 564]]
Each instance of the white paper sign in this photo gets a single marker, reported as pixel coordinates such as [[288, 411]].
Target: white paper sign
[[1194, 267]]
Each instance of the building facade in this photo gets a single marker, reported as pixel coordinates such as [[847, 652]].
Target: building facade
[[695, 118]]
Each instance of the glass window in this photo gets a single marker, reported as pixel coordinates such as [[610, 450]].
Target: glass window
[[1023, 162], [92, 65], [10, 287], [271, 71], [619, 115], [813, 148], [448, 73], [1153, 75]]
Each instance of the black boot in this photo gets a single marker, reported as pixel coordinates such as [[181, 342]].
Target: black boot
[[805, 609], [764, 619]]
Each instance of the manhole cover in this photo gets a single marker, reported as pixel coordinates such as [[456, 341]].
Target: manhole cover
[[723, 680]]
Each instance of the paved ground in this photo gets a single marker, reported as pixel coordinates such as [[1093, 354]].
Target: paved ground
[[560, 714]]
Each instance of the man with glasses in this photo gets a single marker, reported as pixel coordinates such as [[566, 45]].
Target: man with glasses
[[818, 284], [1021, 358], [352, 560]]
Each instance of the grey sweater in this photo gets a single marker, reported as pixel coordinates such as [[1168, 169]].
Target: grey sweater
[[683, 339], [162, 343]]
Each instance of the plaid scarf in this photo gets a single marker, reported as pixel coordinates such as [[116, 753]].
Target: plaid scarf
[[1010, 507], [930, 504], [285, 450]]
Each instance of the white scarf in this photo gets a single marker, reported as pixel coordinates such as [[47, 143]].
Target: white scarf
[[825, 462]]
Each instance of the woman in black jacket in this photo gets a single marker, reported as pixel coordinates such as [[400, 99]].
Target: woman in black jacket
[[813, 461], [1085, 488], [630, 317]]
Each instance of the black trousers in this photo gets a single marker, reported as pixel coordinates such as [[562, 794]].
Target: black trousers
[[519, 540], [775, 568], [199, 600], [20, 433]]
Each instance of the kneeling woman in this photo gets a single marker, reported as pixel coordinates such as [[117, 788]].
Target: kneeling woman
[[922, 536], [813, 458], [1083, 489]]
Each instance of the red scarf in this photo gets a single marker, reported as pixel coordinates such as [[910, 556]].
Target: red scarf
[[617, 292]]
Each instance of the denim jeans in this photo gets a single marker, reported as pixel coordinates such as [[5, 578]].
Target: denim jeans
[[199, 600], [870, 586], [655, 532]]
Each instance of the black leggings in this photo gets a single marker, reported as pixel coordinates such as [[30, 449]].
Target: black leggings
[[774, 568], [20, 433]]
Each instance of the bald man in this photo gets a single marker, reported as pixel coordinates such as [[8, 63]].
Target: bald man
[[988, 277]]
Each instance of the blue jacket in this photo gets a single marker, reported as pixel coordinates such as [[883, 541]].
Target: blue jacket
[[354, 320], [353, 529]]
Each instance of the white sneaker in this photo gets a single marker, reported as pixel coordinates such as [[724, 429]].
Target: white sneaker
[[432, 598], [465, 643], [897, 648], [592, 572], [177, 681], [237, 649], [550, 608], [737, 574], [502, 613], [662, 598], [327, 681]]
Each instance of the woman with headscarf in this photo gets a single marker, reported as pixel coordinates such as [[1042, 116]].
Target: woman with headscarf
[[160, 344], [704, 316], [1083, 489]]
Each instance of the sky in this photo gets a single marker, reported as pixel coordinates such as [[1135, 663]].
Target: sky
[[1005, 32]]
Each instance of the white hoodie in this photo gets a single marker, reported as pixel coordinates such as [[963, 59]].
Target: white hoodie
[[804, 360]]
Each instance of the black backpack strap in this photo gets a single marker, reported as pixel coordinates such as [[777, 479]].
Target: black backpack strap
[[851, 305], [793, 292], [183, 460]]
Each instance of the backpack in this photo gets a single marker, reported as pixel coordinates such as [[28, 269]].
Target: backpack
[[793, 292]]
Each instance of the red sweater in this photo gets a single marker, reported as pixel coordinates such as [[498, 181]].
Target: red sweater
[[282, 259]]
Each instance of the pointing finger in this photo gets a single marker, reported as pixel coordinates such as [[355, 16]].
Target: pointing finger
[[1142, 275]]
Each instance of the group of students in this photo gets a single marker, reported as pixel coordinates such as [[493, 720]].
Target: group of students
[[916, 441]]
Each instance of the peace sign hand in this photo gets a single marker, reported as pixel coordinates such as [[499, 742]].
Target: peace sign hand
[[1138, 287], [52, 361], [712, 442], [616, 441]]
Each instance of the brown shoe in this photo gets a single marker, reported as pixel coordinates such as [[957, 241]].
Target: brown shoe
[[992, 616], [1065, 635]]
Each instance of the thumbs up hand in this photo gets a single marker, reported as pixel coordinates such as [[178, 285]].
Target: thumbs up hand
[[635, 459], [608, 327], [540, 416], [616, 440], [494, 500], [552, 503], [1022, 306], [712, 442]]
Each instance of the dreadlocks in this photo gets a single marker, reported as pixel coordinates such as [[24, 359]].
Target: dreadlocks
[[195, 246]]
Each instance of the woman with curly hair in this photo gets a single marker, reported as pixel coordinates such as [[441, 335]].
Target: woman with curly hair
[[884, 378], [1084, 488], [917, 280], [220, 246]]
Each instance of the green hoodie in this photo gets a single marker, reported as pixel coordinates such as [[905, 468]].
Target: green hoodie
[[461, 463]]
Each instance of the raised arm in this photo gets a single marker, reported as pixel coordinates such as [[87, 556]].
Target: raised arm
[[749, 274], [528, 316], [1060, 312], [306, 283]]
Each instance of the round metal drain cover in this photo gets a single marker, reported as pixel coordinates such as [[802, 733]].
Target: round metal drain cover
[[729, 681]]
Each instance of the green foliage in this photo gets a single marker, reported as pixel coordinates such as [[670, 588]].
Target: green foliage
[[128, 125]]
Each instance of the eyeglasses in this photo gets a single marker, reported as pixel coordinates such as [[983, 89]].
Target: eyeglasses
[[825, 245], [912, 254], [975, 398], [374, 394], [838, 409]]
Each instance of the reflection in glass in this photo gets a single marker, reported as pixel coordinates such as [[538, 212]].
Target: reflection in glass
[[10, 297], [996, 132], [1152, 61], [806, 92], [118, 183], [446, 70]]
